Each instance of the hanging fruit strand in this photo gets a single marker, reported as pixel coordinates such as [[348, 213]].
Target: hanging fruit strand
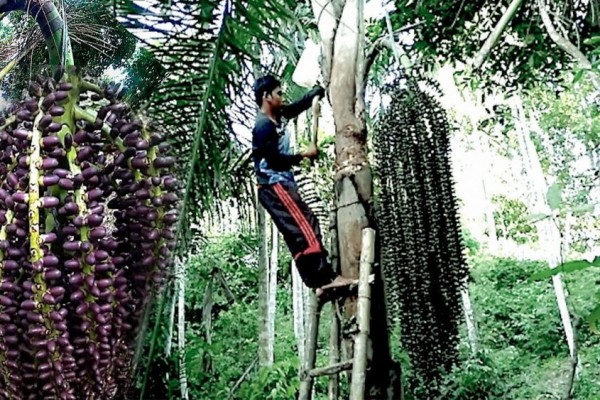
[[87, 212], [422, 253]]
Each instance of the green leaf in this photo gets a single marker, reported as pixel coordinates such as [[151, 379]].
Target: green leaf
[[542, 275], [536, 217], [567, 267], [578, 76], [572, 266], [592, 41], [554, 196], [585, 209], [593, 319]]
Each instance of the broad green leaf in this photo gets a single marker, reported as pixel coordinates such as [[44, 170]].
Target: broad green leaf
[[572, 266], [585, 209], [593, 319], [567, 267], [542, 275], [554, 196], [535, 217], [592, 41]]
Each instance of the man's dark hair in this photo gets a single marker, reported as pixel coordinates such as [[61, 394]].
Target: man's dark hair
[[263, 85]]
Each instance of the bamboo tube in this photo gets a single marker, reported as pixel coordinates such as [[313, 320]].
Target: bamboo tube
[[311, 348], [359, 367]]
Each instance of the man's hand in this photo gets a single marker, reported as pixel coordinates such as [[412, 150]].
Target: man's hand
[[318, 91], [311, 152]]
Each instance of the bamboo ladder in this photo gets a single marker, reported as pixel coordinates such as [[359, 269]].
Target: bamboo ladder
[[358, 364]]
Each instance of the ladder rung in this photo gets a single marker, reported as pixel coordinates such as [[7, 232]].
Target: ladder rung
[[331, 369]]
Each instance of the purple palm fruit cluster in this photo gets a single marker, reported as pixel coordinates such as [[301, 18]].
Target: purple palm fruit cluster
[[87, 214]]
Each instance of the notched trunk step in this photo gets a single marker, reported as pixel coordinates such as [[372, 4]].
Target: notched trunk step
[[330, 369], [342, 291]]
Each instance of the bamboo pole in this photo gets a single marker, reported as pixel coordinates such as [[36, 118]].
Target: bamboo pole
[[359, 367], [310, 348], [334, 334]]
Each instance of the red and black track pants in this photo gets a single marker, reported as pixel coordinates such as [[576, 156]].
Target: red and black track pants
[[300, 230]]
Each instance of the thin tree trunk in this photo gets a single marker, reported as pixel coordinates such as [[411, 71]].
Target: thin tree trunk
[[264, 358], [171, 323], [207, 306], [548, 231], [488, 205], [273, 290], [181, 328], [469, 319], [344, 46], [263, 291], [298, 300], [299, 294], [491, 41]]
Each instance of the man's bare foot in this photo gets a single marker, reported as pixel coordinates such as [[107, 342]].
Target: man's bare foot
[[340, 281]]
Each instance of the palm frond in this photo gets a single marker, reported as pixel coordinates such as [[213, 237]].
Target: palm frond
[[207, 49]]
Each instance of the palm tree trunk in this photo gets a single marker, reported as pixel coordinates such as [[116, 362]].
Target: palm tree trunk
[[180, 274], [341, 25], [272, 306], [170, 323], [547, 229], [298, 300], [469, 319], [263, 291], [485, 173], [207, 306]]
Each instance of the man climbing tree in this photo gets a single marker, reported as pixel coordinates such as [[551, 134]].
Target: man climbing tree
[[277, 188]]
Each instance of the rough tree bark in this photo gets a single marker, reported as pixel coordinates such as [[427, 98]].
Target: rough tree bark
[[341, 25]]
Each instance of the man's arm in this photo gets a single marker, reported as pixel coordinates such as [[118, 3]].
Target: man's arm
[[291, 111], [266, 145]]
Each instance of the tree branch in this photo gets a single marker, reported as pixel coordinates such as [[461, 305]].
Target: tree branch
[[565, 44], [491, 41], [327, 21], [382, 42], [239, 381], [225, 286]]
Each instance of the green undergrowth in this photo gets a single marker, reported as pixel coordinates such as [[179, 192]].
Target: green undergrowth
[[521, 349]]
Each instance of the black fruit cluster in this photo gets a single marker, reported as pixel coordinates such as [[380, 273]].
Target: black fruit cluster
[[421, 247]]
